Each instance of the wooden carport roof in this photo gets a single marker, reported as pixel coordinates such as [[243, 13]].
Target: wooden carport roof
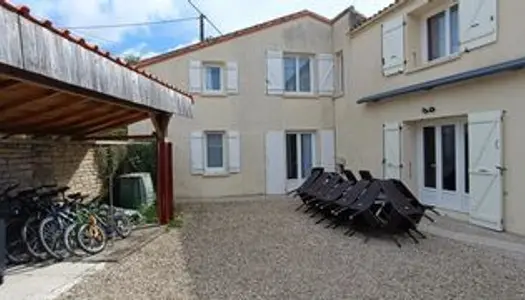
[[52, 83]]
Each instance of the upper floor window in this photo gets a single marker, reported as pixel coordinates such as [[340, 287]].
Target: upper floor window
[[213, 75], [443, 33], [298, 74], [213, 78]]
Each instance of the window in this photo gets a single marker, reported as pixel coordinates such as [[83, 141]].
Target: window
[[443, 33], [213, 81], [215, 154], [339, 73], [298, 74]]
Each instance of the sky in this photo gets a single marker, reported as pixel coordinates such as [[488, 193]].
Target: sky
[[149, 40]]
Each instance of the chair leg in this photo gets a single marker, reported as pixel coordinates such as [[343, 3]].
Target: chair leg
[[395, 240], [320, 220], [300, 206], [349, 231], [315, 213], [413, 237], [429, 218], [331, 224], [419, 232]]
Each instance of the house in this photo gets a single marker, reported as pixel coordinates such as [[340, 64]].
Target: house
[[426, 91], [264, 114], [435, 97]]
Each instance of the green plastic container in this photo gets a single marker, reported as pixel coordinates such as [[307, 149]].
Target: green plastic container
[[135, 190]]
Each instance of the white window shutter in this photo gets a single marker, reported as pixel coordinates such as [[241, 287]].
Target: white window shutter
[[232, 79], [485, 137], [392, 150], [327, 150], [393, 35], [275, 162], [195, 76], [477, 23], [197, 152], [274, 72], [234, 149], [325, 71]]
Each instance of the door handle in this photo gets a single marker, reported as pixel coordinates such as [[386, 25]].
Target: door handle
[[501, 169], [483, 170]]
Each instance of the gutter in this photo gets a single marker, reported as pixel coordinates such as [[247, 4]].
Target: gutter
[[511, 65]]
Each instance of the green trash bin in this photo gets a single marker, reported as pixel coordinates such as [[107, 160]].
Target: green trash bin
[[134, 190]]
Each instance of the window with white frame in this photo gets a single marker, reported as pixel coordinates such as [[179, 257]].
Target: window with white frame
[[214, 151], [339, 73], [442, 30], [298, 74], [213, 78]]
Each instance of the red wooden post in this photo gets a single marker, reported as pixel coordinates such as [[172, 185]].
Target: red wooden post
[[164, 169], [160, 182], [169, 150]]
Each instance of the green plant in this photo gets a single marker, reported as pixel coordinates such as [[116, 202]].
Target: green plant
[[177, 221], [149, 212]]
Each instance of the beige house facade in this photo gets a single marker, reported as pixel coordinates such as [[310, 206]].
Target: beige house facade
[[434, 96], [430, 92], [264, 112]]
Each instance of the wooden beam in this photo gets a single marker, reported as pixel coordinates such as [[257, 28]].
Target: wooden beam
[[116, 137], [6, 110], [4, 84], [39, 121], [116, 123], [160, 123], [100, 119]]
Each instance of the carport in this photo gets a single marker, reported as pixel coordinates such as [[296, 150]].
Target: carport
[[54, 86]]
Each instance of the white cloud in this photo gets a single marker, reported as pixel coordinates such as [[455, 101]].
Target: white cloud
[[141, 50], [228, 15], [101, 12]]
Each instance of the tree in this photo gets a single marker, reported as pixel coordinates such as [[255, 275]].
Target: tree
[[132, 59]]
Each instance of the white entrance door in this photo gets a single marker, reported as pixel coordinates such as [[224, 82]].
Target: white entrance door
[[300, 157], [486, 166], [443, 164]]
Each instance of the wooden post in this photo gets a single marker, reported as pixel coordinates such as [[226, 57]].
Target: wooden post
[[164, 212]]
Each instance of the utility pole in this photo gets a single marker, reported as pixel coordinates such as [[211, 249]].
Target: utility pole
[[201, 26]]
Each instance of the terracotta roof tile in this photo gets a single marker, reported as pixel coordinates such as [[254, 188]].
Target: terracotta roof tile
[[377, 15], [233, 35], [25, 12]]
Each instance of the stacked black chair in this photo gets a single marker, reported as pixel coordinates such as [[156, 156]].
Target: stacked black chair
[[370, 206]]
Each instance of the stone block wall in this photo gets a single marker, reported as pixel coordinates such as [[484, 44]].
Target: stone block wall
[[63, 164]]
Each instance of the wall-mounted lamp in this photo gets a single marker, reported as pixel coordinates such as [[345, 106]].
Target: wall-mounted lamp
[[430, 109]]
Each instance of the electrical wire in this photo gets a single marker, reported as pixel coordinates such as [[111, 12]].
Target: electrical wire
[[132, 24]]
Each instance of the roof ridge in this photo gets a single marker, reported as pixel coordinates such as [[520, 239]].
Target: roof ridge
[[25, 12], [234, 34]]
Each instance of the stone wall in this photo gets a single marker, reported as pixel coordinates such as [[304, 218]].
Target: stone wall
[[63, 164]]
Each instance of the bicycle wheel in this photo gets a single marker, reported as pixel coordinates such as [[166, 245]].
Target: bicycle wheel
[[32, 240], [51, 232], [123, 225], [16, 250], [71, 241], [92, 238]]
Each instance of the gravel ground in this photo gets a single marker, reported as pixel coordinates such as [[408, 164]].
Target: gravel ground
[[157, 271], [266, 250]]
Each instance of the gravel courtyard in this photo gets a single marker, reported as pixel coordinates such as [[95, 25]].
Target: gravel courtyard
[[266, 250]]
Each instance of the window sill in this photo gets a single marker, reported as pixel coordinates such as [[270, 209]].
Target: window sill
[[436, 62], [216, 174], [214, 94], [299, 95]]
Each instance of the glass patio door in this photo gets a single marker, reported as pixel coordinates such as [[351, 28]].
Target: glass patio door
[[299, 158]]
